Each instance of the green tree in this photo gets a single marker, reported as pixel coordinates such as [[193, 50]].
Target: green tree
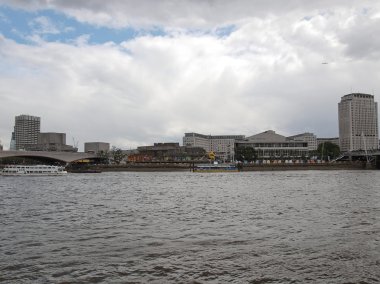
[[104, 157], [246, 153], [328, 149], [117, 155]]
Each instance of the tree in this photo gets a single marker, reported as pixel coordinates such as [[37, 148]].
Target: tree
[[328, 149], [117, 155], [104, 157], [246, 153]]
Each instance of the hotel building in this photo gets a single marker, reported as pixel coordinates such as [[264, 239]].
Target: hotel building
[[358, 123]]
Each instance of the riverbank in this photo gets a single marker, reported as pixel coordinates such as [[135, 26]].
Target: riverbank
[[303, 167], [169, 167]]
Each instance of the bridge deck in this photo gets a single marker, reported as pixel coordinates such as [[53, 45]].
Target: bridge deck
[[67, 157]]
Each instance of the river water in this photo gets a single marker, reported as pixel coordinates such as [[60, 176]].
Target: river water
[[182, 227]]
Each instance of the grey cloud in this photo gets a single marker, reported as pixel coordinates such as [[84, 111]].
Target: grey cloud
[[182, 13], [361, 39]]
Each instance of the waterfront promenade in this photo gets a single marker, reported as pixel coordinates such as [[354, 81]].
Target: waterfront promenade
[[164, 167]]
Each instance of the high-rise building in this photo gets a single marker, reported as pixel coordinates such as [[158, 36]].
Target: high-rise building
[[26, 130], [358, 124], [12, 145]]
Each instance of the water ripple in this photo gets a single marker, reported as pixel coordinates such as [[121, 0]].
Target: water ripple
[[257, 227]]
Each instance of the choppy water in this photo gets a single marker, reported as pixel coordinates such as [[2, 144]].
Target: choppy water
[[249, 227]]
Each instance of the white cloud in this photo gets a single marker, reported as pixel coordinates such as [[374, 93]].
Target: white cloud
[[43, 25], [265, 74]]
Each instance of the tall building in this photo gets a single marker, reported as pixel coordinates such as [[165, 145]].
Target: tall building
[[222, 145], [26, 130], [358, 124], [12, 145]]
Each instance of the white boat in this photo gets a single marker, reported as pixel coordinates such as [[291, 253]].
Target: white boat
[[33, 170]]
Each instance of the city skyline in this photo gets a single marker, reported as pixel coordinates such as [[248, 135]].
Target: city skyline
[[23, 122], [120, 73]]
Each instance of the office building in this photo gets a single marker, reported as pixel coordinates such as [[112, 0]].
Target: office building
[[26, 130], [310, 138], [167, 152], [51, 141], [223, 146], [12, 145], [46, 138], [333, 140], [96, 147], [358, 124]]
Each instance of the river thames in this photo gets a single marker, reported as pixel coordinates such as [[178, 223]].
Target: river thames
[[183, 227]]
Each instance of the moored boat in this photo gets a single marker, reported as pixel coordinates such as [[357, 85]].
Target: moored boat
[[215, 168], [33, 170], [84, 171]]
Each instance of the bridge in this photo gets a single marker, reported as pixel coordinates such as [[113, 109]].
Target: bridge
[[359, 155], [369, 156], [67, 157]]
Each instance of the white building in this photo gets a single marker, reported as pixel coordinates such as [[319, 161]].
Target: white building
[[222, 145], [358, 124], [26, 130], [270, 145], [310, 138]]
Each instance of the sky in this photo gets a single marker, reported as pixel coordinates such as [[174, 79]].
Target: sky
[[137, 72]]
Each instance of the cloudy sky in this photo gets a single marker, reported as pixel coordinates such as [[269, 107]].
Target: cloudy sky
[[136, 72]]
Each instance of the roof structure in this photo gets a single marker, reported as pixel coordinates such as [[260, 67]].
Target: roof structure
[[267, 136]]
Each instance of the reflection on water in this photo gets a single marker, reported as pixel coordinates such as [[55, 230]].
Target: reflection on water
[[249, 227]]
